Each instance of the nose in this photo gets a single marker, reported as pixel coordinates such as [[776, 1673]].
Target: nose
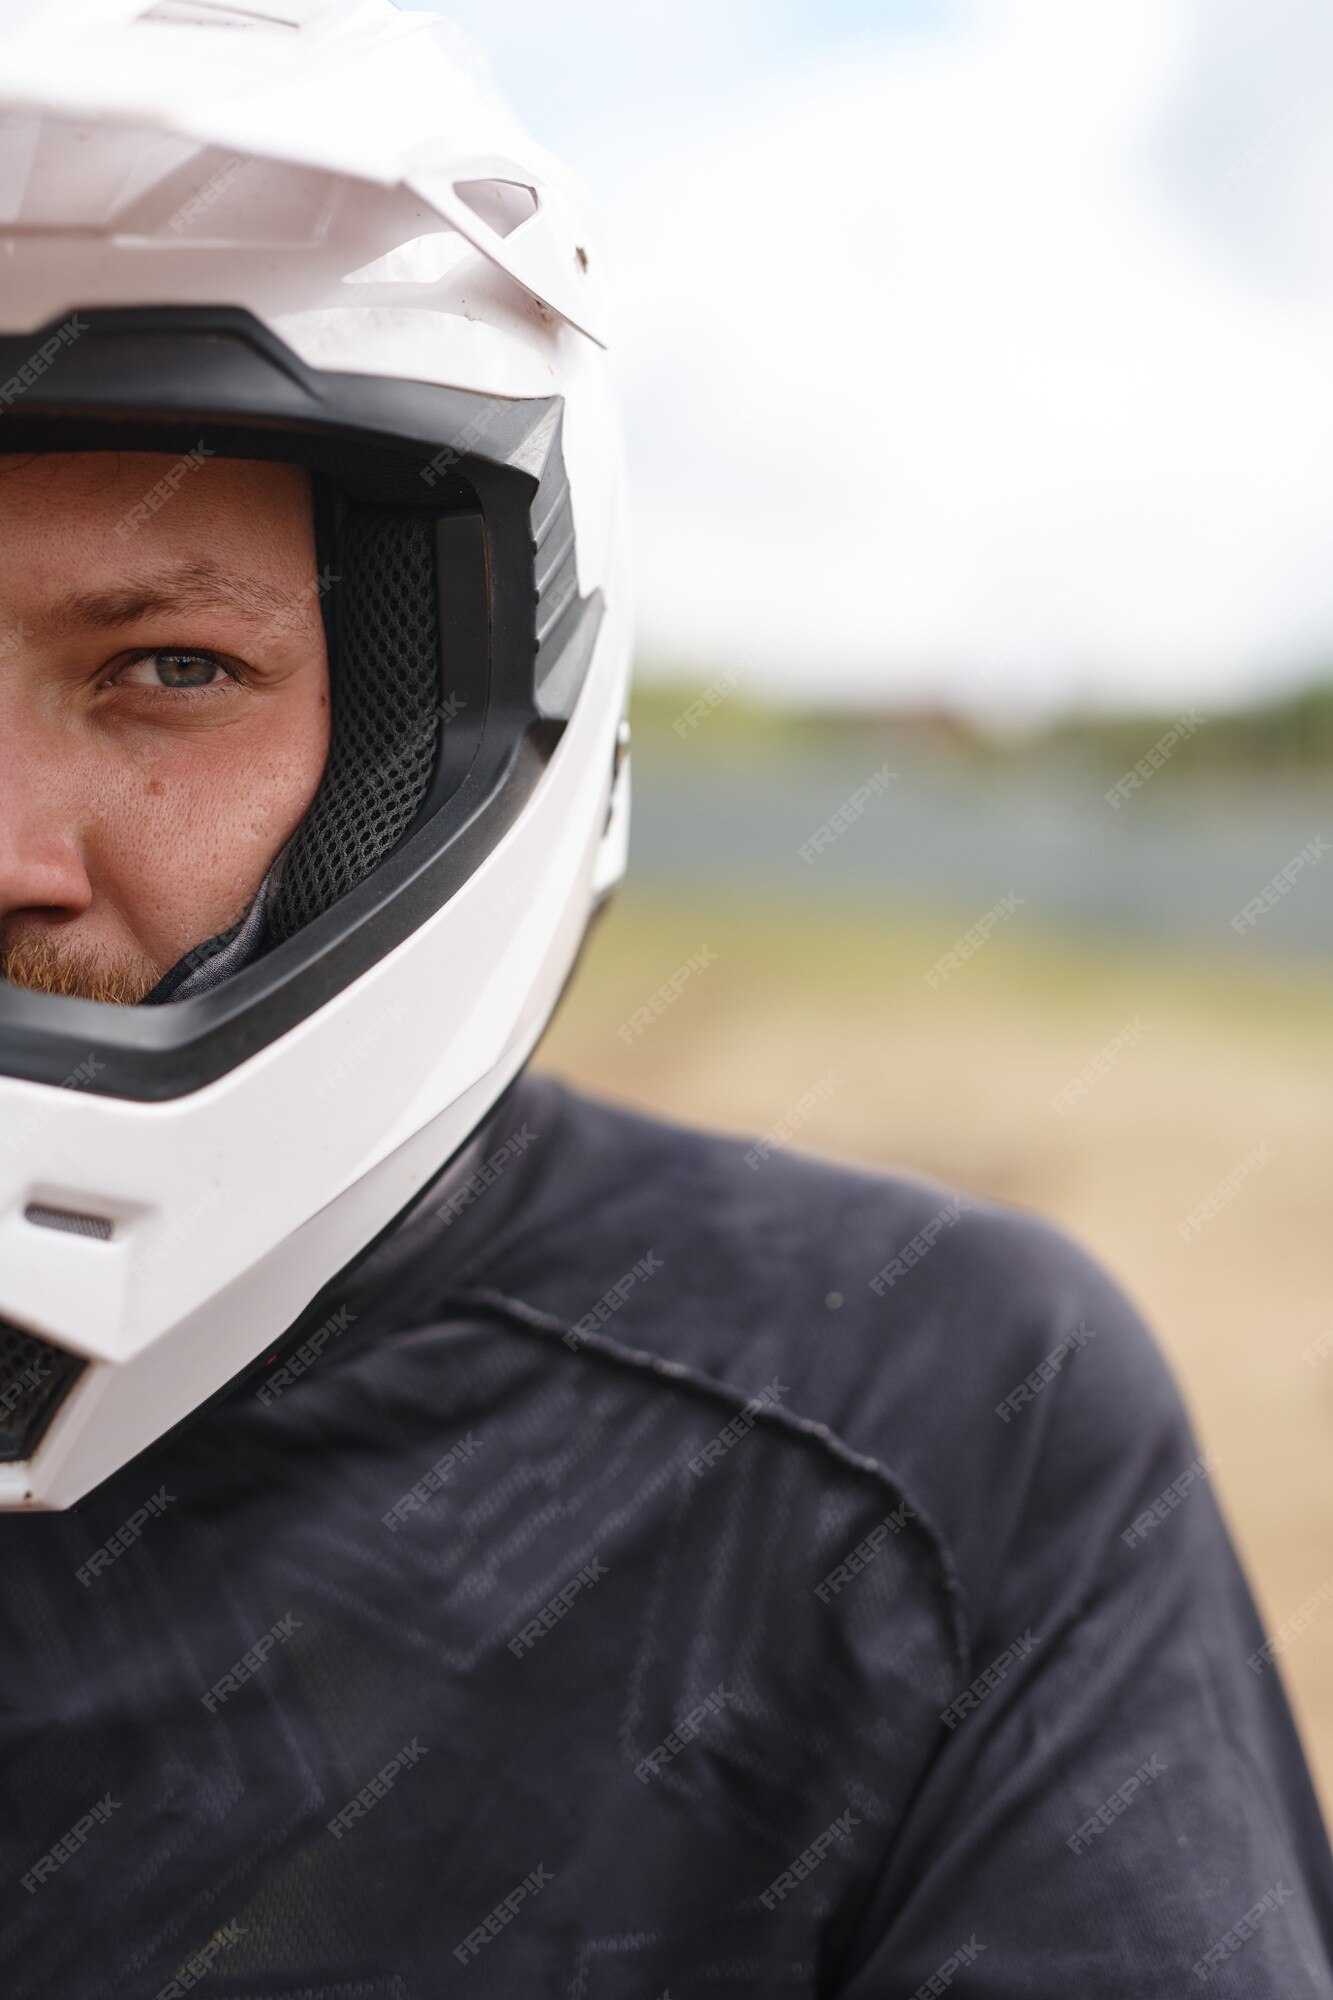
[[42, 866]]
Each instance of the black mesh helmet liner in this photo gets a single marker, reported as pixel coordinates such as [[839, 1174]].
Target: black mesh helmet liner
[[34, 1380], [448, 514], [386, 712]]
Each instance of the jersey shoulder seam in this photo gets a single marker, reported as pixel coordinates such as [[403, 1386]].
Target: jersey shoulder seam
[[772, 1416]]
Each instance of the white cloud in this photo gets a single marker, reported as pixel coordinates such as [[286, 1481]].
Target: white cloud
[[992, 362]]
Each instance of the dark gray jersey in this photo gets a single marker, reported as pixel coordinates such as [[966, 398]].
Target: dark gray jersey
[[665, 1566]]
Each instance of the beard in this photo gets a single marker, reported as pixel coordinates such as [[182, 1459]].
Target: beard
[[40, 965]]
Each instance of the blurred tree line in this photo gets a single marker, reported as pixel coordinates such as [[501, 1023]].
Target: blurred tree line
[[716, 715]]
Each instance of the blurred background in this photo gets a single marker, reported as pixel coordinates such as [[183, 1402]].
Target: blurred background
[[975, 358]]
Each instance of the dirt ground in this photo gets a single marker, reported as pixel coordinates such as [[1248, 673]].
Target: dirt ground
[[1214, 1067]]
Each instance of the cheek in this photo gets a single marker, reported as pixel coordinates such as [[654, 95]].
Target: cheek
[[248, 787], [191, 819]]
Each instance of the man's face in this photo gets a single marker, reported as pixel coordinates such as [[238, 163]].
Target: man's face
[[164, 706]]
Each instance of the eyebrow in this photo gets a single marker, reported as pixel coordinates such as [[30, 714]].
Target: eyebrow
[[197, 586]]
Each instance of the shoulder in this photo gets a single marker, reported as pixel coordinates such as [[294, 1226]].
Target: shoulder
[[972, 1349]]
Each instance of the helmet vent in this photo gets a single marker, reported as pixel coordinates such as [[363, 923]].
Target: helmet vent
[[502, 205], [422, 260], [35, 1379], [70, 1220]]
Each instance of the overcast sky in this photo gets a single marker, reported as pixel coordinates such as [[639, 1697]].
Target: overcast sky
[[970, 348]]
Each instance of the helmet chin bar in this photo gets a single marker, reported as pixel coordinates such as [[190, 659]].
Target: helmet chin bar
[[516, 640]]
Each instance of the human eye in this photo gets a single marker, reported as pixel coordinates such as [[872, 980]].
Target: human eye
[[172, 668]]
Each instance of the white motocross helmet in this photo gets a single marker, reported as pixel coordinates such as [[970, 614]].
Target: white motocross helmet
[[305, 230]]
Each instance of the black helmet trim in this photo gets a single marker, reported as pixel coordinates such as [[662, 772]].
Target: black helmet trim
[[488, 474]]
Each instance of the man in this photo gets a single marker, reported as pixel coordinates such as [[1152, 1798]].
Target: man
[[464, 1538]]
